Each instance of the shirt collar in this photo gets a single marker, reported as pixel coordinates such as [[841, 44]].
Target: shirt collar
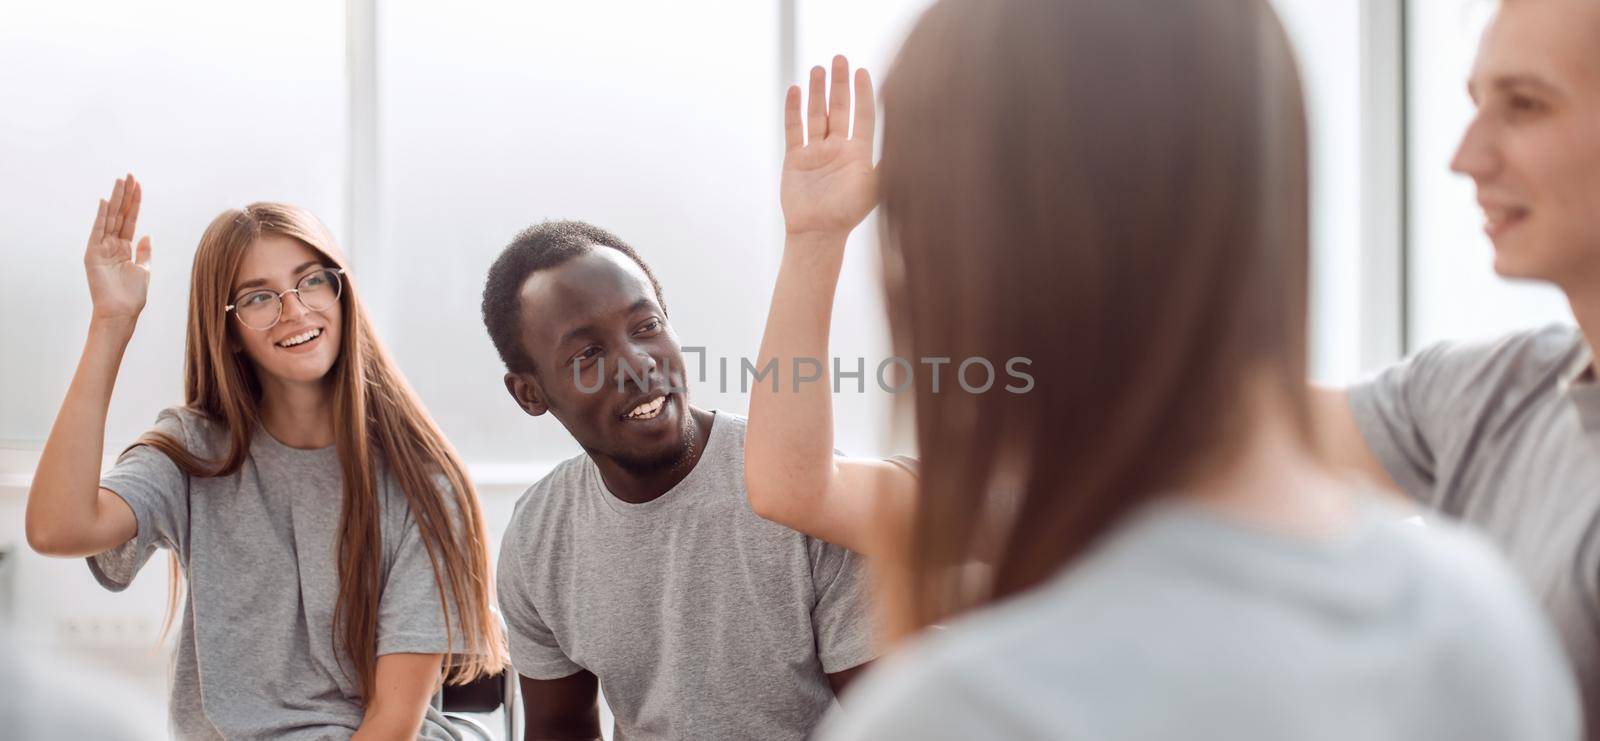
[[1582, 387]]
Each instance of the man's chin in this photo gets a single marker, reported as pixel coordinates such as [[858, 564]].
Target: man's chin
[[668, 456], [1513, 262]]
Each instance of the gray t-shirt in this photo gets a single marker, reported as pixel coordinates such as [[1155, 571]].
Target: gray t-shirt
[[1187, 625], [701, 620], [257, 656], [1505, 435]]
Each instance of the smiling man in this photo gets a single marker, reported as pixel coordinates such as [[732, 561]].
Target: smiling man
[[639, 565], [1506, 434]]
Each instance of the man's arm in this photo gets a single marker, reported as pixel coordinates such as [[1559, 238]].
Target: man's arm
[[565, 709], [1338, 437], [791, 474]]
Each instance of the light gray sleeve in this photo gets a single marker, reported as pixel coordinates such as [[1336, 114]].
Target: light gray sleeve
[[411, 612], [158, 493], [535, 652], [842, 615], [1409, 413]]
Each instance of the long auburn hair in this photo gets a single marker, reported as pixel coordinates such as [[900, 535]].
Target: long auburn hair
[[1116, 190], [374, 412]]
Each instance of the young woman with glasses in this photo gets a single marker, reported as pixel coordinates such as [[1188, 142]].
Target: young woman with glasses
[[332, 546]]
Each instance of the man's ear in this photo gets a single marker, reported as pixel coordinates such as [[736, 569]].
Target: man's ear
[[525, 389]]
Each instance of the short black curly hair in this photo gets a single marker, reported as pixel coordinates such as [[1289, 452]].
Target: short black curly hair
[[536, 248]]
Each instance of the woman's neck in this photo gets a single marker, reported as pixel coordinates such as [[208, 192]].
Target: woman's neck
[[298, 415], [1273, 479]]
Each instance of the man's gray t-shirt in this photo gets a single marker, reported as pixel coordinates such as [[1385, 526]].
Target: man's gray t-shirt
[[1505, 435], [1187, 625], [701, 620], [256, 655]]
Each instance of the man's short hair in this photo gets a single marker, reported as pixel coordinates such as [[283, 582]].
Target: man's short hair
[[541, 246]]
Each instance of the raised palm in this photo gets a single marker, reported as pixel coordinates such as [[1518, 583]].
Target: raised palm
[[828, 182], [119, 274]]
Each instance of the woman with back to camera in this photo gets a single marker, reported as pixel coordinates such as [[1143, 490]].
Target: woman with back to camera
[[331, 544], [1144, 544]]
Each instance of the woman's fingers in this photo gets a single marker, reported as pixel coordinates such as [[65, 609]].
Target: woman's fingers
[[829, 117], [132, 207], [817, 120], [114, 216], [839, 99], [794, 135], [99, 229], [866, 108], [141, 256]]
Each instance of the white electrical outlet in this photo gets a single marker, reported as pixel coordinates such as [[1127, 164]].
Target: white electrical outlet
[[107, 631]]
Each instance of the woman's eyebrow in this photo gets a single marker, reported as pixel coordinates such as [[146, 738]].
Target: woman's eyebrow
[[256, 282]]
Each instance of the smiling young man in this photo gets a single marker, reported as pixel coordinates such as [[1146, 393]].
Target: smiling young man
[[639, 565], [1506, 434]]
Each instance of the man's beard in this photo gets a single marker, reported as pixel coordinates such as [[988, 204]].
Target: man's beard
[[672, 458]]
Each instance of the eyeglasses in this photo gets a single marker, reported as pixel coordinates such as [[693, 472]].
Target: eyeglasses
[[260, 310]]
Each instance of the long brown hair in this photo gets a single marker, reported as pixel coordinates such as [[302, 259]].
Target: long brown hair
[[1117, 191], [375, 413]]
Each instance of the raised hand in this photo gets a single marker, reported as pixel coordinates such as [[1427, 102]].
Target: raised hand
[[828, 181], [119, 274]]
